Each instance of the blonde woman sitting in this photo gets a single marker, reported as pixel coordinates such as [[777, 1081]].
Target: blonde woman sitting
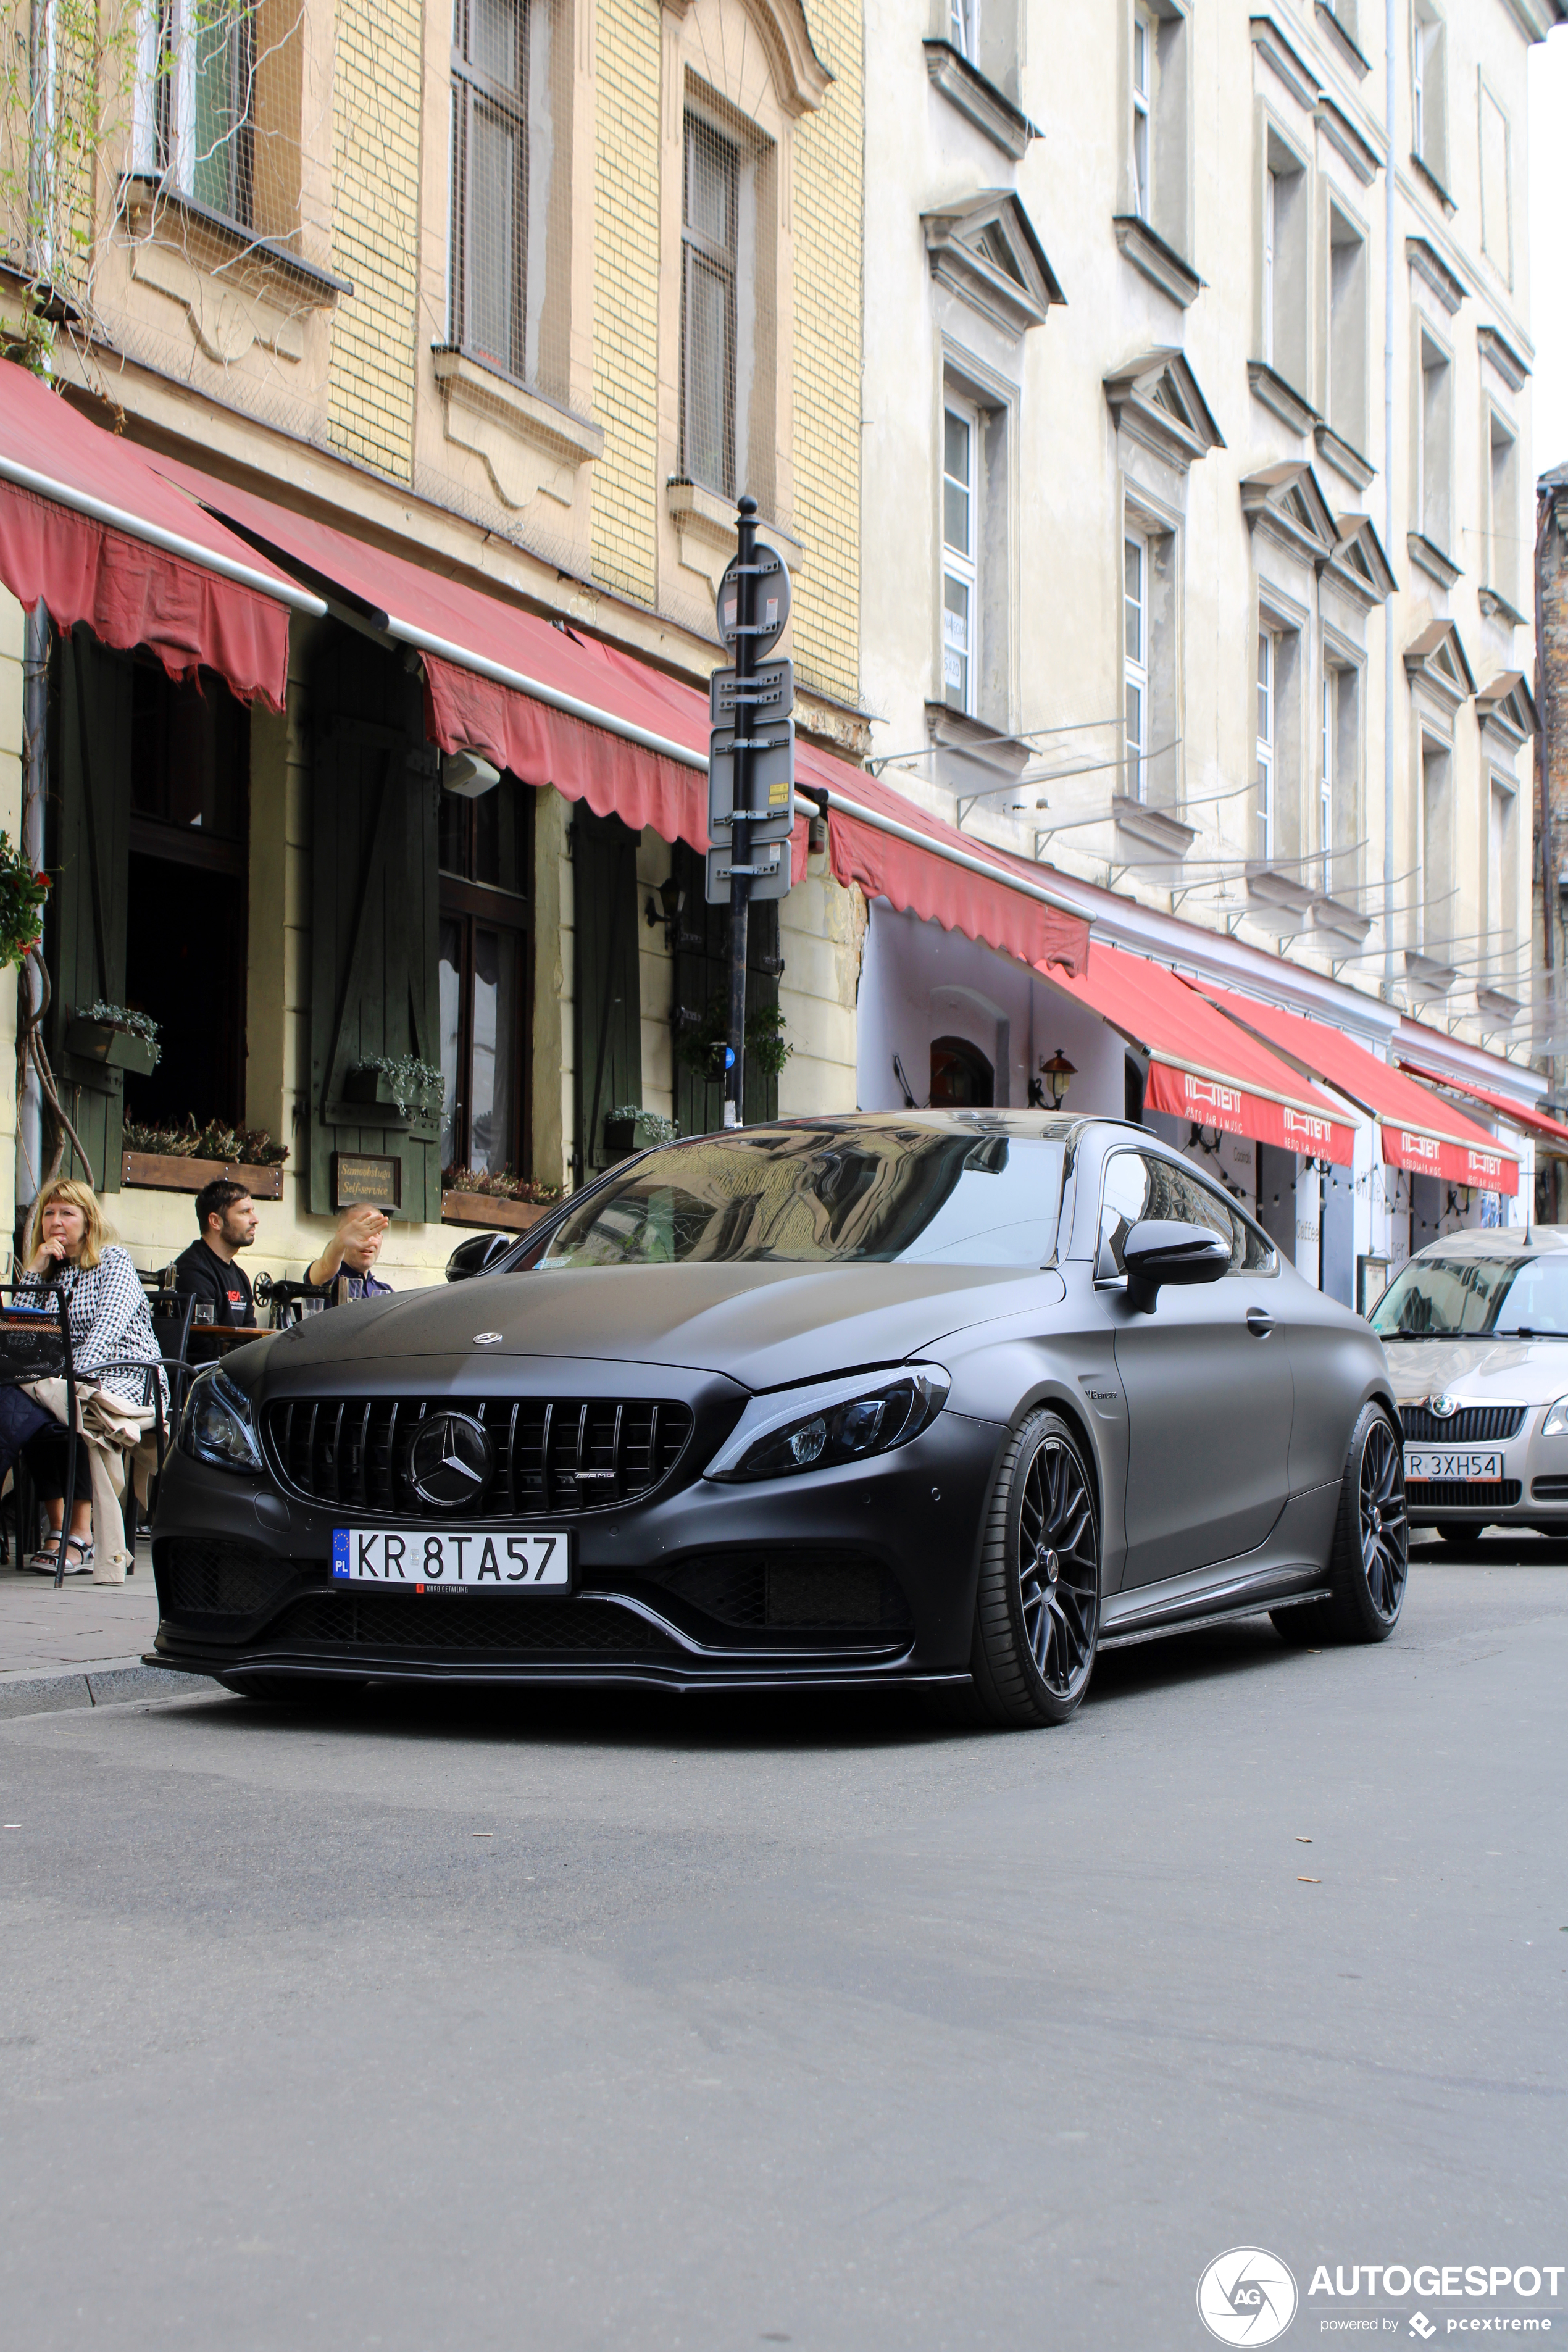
[[112, 1338]]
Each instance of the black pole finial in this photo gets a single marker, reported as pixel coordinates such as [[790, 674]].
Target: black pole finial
[[745, 504]]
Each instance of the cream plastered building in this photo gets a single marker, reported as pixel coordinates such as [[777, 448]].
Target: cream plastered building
[[525, 294], [1173, 579]]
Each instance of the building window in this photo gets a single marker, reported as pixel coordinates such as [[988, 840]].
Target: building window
[[1429, 91], [960, 555], [1496, 220], [709, 252], [1501, 859], [1268, 722], [1136, 654], [1434, 442], [1346, 390], [1328, 764], [1282, 263], [484, 911], [201, 82], [489, 181], [963, 28], [1142, 83], [1503, 509], [1436, 900]]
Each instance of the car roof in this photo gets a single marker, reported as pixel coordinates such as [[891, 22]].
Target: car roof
[[1500, 1241], [1023, 1123]]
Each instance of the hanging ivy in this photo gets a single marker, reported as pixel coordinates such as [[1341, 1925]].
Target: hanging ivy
[[701, 1047], [23, 891]]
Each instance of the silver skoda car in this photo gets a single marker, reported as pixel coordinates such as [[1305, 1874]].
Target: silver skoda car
[[1475, 1330]]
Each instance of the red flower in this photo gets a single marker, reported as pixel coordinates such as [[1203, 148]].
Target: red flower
[[42, 879]]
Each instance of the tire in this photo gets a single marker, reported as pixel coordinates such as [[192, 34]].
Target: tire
[[1304, 1627], [1036, 1612], [1369, 1565], [1459, 1535]]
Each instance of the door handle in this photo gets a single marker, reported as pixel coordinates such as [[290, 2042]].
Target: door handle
[[1258, 1322]]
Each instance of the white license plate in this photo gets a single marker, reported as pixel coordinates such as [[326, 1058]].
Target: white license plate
[[1473, 1469], [452, 1559]]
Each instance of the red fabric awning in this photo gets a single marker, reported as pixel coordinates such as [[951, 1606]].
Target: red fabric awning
[[1535, 1122], [1419, 1132], [88, 525], [1203, 1066], [497, 680]]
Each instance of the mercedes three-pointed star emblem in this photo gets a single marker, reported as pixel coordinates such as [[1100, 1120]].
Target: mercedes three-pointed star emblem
[[450, 1461]]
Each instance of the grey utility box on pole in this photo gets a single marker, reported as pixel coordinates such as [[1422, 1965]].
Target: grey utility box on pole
[[751, 764]]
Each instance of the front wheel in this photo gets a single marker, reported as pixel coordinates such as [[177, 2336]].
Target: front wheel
[[1036, 1617], [1371, 1559]]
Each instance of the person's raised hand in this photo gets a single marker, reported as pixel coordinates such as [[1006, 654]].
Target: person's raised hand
[[356, 1227]]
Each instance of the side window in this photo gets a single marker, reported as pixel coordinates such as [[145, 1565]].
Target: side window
[[1137, 1186]]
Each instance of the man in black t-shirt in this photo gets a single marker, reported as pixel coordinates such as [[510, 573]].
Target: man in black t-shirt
[[225, 1214]]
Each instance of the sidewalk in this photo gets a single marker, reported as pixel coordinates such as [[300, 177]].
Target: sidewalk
[[80, 1646]]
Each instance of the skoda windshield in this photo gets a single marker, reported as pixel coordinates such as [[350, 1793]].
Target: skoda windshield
[[885, 1193], [1476, 1298]]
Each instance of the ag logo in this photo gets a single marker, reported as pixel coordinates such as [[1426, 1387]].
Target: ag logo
[[1246, 2296]]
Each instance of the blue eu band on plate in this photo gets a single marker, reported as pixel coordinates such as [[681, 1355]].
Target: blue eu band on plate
[[454, 1561]]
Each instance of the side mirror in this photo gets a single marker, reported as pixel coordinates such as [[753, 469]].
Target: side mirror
[[481, 1254], [1158, 1250]]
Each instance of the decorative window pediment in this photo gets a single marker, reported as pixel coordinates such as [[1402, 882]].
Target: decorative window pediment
[[1286, 503], [1506, 705], [801, 81], [1359, 563], [1155, 397], [1435, 659], [985, 250]]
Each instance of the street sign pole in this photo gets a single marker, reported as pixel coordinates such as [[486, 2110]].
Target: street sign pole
[[741, 831]]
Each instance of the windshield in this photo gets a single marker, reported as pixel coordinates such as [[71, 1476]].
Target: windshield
[[1476, 1298], [825, 1195]]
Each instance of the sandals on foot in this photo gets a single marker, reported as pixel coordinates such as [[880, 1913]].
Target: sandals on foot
[[44, 1561]]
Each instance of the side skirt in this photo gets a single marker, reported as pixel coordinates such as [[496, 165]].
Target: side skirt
[[1123, 1637]]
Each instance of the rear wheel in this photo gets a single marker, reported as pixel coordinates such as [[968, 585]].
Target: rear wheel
[[1036, 1617], [1371, 1558]]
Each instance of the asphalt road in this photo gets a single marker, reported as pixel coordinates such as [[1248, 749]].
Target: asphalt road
[[626, 2023]]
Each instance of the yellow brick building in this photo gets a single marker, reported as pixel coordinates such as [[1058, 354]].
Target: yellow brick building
[[526, 292]]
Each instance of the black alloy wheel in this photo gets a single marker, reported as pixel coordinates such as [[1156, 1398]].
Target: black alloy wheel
[[1037, 1610], [1370, 1563]]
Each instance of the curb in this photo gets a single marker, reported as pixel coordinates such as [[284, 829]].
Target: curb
[[101, 1685]]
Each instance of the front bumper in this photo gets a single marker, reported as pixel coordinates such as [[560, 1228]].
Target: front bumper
[[1532, 1491], [864, 1574]]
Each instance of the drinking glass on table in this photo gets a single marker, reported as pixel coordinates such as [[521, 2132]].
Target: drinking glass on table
[[203, 1311]]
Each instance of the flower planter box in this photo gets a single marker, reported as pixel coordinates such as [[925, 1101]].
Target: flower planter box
[[487, 1210], [367, 1098], [116, 1049], [625, 1136], [166, 1171]]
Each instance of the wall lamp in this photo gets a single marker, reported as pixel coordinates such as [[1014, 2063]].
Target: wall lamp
[[1058, 1074], [671, 899]]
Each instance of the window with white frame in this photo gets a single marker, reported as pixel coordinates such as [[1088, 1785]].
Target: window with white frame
[[1142, 94], [196, 102], [963, 28], [1135, 662], [1501, 878], [1347, 353], [960, 431], [1429, 90], [1282, 275], [1268, 722], [1433, 469], [1502, 509]]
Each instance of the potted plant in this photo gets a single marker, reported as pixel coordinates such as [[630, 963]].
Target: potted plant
[[704, 1038], [183, 1158], [411, 1089], [631, 1129], [494, 1198], [22, 894], [114, 1035]]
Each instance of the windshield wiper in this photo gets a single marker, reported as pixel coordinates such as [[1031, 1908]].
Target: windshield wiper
[[1525, 1332]]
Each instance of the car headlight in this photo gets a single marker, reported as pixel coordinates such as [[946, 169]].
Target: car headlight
[[218, 1426], [1556, 1422], [832, 1422]]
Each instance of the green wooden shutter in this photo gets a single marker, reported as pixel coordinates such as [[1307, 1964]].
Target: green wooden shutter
[[374, 912], [702, 974], [89, 855], [606, 991]]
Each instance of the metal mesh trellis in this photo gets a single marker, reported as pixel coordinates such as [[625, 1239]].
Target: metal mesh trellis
[[510, 214]]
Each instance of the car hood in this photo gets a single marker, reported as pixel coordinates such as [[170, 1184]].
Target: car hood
[[763, 1326], [1513, 1372]]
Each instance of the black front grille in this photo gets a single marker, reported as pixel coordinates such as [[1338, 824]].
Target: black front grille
[[823, 1591], [409, 1621], [551, 1453], [1464, 1494], [219, 1579], [1473, 1424], [1549, 1490]]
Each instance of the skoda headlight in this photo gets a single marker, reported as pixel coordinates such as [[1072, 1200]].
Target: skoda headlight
[[218, 1426], [832, 1422], [1556, 1422]]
